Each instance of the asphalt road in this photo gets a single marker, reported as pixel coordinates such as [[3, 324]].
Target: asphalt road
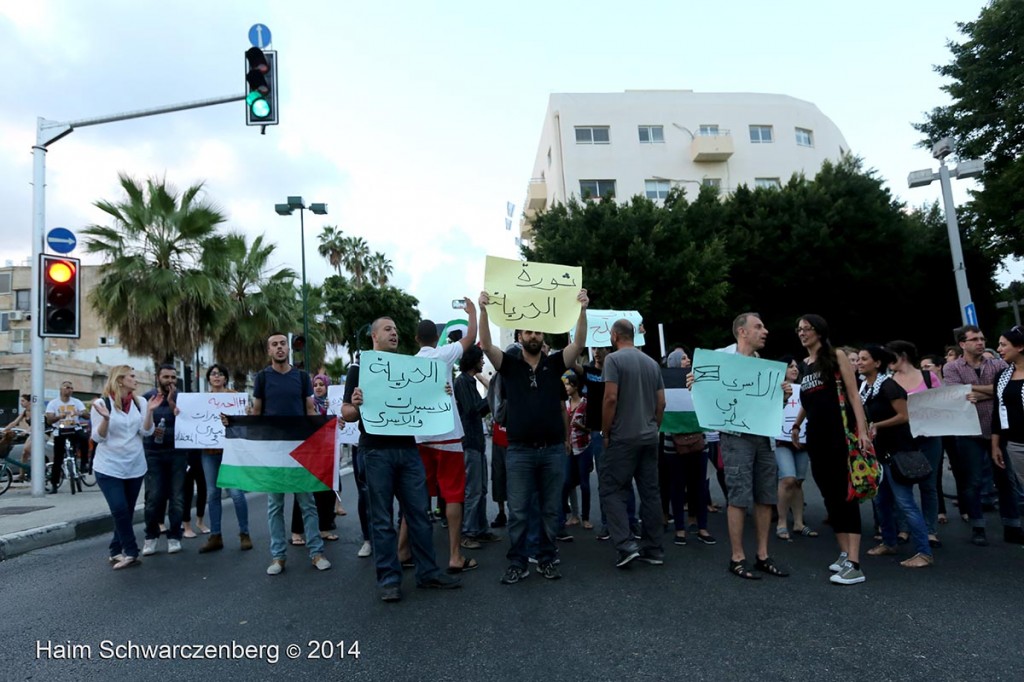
[[688, 619]]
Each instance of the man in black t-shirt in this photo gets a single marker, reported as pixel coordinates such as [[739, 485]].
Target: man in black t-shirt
[[537, 444], [394, 470]]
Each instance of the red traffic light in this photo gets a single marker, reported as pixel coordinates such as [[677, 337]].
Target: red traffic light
[[60, 297]]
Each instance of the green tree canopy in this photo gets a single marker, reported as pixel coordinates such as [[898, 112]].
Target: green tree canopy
[[357, 307]]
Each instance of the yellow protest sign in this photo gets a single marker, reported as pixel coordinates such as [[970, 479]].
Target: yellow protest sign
[[539, 297]]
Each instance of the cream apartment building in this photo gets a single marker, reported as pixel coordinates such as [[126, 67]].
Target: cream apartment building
[[648, 141]]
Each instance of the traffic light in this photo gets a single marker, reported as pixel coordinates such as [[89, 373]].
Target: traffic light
[[60, 289], [299, 346], [261, 84]]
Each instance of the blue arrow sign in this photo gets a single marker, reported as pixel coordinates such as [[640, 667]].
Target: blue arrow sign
[[259, 36], [971, 314], [61, 240]]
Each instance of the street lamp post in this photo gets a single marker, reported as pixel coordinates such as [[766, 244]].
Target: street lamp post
[[964, 169], [296, 204]]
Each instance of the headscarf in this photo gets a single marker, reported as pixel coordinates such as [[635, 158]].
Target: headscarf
[[321, 403]]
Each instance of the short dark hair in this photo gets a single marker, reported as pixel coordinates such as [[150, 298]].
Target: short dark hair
[[962, 332], [956, 350], [273, 334], [1015, 335], [470, 358], [879, 354], [905, 349], [26, 396], [937, 360], [741, 321], [165, 366], [221, 368], [426, 332]]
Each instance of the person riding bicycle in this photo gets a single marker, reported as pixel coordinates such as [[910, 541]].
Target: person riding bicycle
[[23, 421], [68, 415]]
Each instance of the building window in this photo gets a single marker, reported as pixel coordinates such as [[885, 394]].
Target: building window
[[656, 189], [21, 340], [21, 299], [767, 183], [596, 189], [708, 130], [5, 282], [712, 182], [5, 322], [592, 135], [761, 134], [652, 134], [804, 137]]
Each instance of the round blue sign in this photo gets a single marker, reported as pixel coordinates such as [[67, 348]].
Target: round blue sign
[[259, 36], [61, 240]]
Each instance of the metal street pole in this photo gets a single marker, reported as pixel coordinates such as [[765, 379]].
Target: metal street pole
[[953, 228], [305, 305]]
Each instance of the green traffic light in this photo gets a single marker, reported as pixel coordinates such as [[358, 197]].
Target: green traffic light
[[258, 105]]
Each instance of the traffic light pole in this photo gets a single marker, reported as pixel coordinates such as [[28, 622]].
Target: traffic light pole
[[48, 132]]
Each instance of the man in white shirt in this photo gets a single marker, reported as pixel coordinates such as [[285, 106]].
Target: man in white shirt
[[443, 457], [66, 413]]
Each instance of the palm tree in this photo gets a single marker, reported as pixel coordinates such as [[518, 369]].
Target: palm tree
[[380, 269], [332, 246], [259, 302], [153, 289], [357, 252]]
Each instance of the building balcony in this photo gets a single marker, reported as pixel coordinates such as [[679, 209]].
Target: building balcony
[[537, 194], [705, 148]]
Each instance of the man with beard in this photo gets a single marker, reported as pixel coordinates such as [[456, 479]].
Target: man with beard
[[536, 436]]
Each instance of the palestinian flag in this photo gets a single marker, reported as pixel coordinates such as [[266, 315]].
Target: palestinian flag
[[279, 454], [679, 414]]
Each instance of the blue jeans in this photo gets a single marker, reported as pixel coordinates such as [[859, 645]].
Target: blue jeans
[[474, 515], [582, 464], [165, 491], [597, 449], [211, 467], [121, 495], [534, 471], [931, 448], [398, 473], [972, 455], [893, 495], [359, 474], [275, 519], [689, 489]]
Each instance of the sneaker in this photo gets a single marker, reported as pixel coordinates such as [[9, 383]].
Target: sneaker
[[116, 558], [550, 571], [365, 551], [626, 557], [635, 529], [173, 546], [563, 537], [978, 537], [276, 567], [514, 574], [321, 562], [652, 558], [708, 539], [679, 540], [390, 593], [533, 560], [848, 575], [837, 565], [149, 547], [603, 534]]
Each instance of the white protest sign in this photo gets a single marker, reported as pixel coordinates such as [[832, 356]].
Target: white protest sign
[[943, 411], [789, 414], [348, 432], [197, 425], [599, 327]]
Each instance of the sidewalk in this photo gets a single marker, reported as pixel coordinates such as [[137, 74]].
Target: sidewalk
[[28, 523]]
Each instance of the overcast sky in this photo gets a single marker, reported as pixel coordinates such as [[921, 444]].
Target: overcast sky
[[417, 121]]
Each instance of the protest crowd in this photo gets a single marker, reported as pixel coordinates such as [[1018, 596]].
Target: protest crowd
[[873, 426]]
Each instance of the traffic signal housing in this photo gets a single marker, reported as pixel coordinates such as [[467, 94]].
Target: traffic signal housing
[[61, 297], [261, 87]]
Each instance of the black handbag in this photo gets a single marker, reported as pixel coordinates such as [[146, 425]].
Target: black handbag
[[910, 467]]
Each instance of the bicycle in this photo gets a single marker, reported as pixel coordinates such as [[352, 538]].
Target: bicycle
[[7, 463], [69, 469]]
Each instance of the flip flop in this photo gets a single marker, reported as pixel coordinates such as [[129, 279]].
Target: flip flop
[[330, 537], [807, 532], [467, 565], [296, 543], [782, 533]]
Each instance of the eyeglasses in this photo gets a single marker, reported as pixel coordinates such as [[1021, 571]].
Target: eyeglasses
[[803, 329], [215, 373]]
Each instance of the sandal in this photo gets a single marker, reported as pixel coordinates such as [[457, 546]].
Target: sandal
[[806, 531], [882, 550], [741, 569], [768, 566], [297, 541], [918, 561], [329, 537], [943, 519], [467, 565], [782, 533], [587, 525]]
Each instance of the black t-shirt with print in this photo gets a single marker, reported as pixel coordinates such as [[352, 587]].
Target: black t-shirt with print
[[878, 407], [534, 399]]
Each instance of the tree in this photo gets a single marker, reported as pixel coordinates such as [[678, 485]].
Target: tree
[[332, 246], [986, 118], [260, 301], [357, 307], [380, 269], [357, 253], [154, 289]]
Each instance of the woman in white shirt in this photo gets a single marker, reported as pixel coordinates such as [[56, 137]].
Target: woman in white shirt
[[120, 420]]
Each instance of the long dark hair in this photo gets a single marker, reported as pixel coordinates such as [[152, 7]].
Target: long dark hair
[[827, 364]]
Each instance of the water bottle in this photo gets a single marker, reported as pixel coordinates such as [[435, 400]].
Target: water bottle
[[158, 435]]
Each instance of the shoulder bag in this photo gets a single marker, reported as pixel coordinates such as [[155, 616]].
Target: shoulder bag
[[865, 474]]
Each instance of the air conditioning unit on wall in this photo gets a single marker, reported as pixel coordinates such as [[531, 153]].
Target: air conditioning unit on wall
[[17, 315]]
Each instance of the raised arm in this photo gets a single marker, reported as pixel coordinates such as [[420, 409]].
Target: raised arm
[[492, 352], [574, 349], [470, 338]]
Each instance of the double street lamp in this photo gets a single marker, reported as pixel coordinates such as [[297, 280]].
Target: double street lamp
[[969, 168], [296, 204]]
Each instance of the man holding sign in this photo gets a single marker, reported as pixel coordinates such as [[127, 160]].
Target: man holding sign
[[393, 470], [537, 442]]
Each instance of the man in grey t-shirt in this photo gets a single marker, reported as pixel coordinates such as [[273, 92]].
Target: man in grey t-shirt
[[634, 403]]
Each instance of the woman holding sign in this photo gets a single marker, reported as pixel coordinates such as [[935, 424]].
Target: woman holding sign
[[792, 463], [1008, 417], [217, 381], [828, 384]]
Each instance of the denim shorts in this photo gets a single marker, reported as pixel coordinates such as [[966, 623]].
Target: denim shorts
[[751, 474], [792, 463]]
